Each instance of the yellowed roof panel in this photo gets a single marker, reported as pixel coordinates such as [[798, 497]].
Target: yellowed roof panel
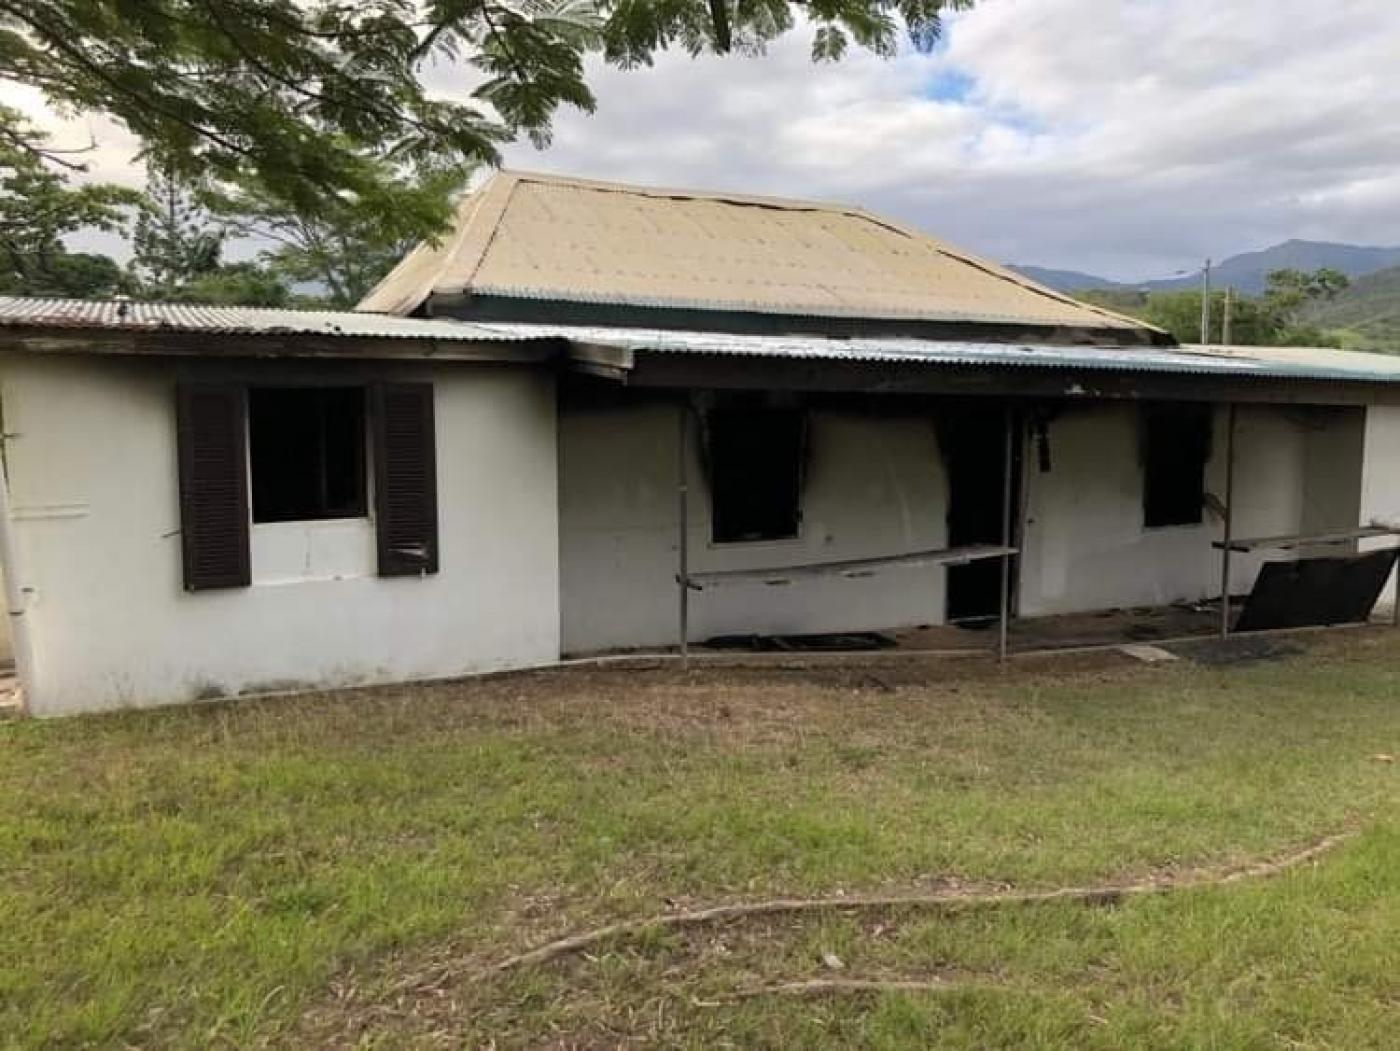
[[552, 238]]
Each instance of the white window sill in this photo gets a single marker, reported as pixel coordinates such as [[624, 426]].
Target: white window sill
[[320, 550]]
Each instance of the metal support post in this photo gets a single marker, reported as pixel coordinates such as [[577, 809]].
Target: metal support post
[[683, 532], [1008, 460]]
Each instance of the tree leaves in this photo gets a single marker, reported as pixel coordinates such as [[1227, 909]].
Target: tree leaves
[[1288, 291], [345, 249], [829, 44], [320, 102], [38, 209], [1270, 319], [175, 241]]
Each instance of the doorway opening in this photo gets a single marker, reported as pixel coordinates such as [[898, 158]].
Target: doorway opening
[[971, 438]]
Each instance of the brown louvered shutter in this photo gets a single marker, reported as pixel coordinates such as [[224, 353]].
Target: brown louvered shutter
[[405, 479], [211, 426]]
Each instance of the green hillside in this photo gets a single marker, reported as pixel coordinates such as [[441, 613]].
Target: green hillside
[[1367, 314]]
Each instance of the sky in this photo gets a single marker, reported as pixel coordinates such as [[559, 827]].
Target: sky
[[1127, 138]]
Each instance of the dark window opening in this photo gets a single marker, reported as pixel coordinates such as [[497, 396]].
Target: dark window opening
[[1175, 448], [755, 466], [306, 448], [972, 443]]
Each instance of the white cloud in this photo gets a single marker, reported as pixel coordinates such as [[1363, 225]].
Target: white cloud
[[109, 150], [1132, 137], [1129, 136]]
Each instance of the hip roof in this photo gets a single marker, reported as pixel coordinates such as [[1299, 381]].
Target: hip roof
[[546, 237]]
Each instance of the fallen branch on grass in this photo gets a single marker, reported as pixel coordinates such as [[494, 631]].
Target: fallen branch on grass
[[951, 901]]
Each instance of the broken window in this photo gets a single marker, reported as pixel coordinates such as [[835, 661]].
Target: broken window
[[306, 448], [1175, 448], [755, 467]]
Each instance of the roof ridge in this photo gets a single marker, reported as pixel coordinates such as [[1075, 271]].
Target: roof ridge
[[806, 204], [438, 256], [459, 256], [466, 263], [989, 267], [507, 183]]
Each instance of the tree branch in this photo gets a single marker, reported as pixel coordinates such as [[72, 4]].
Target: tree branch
[[75, 56], [51, 154]]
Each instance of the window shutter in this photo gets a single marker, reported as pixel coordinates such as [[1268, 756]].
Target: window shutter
[[211, 425], [405, 479]]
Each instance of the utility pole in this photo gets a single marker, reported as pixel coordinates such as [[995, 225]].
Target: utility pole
[[1205, 303], [1225, 321]]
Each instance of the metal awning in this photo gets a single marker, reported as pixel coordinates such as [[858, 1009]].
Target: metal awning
[[617, 348]]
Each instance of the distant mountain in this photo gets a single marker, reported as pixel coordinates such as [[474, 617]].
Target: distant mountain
[[1245, 272], [1065, 280], [1367, 313]]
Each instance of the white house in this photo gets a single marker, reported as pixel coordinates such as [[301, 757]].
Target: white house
[[588, 392]]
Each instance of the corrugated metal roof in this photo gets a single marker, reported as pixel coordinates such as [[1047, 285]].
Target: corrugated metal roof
[[1269, 362], [1317, 362], [122, 315], [553, 238], [1264, 362]]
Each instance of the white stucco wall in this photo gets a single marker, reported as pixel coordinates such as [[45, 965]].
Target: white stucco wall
[[875, 486], [1380, 478], [7, 649], [94, 488], [1334, 456], [1085, 544]]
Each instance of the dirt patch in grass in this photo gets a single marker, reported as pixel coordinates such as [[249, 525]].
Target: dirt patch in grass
[[748, 703]]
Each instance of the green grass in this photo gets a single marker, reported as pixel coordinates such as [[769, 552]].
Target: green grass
[[281, 872]]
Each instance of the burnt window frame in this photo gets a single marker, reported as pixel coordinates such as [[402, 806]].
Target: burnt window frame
[[1175, 440], [725, 531], [357, 508]]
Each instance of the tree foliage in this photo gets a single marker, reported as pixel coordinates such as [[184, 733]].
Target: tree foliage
[[344, 248], [80, 275], [1270, 319], [322, 101], [246, 284], [1251, 323], [38, 208], [176, 239], [1288, 292], [178, 245]]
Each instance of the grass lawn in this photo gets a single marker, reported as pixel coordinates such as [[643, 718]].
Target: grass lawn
[[333, 870]]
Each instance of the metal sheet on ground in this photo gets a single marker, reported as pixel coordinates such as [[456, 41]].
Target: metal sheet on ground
[[1314, 592]]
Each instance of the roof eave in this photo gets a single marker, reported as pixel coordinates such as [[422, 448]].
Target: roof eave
[[153, 342]]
